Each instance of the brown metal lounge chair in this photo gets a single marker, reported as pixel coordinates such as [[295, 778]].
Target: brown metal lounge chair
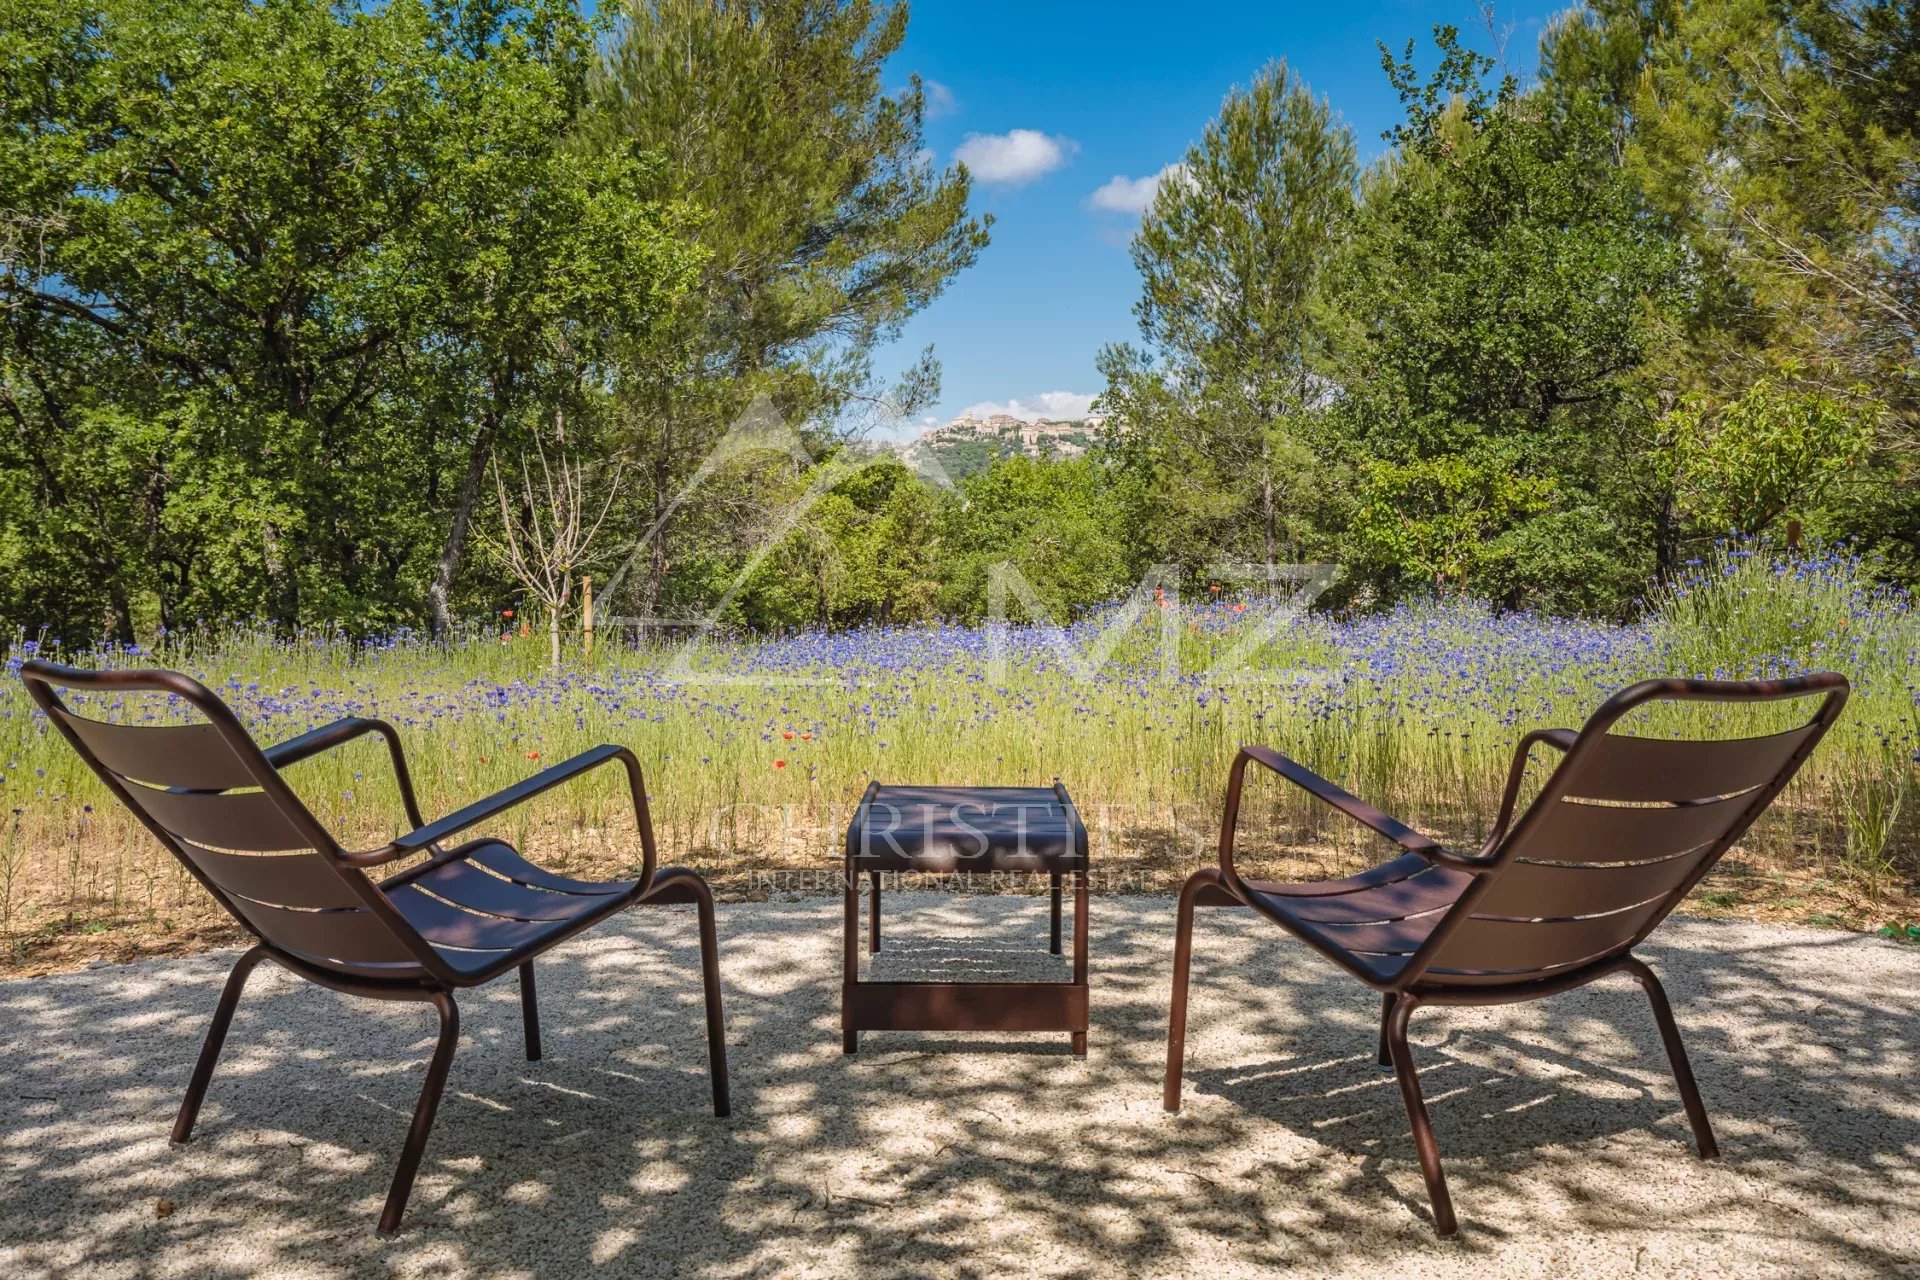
[[465, 915], [1556, 898]]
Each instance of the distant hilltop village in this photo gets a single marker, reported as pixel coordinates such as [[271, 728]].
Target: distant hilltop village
[[968, 444]]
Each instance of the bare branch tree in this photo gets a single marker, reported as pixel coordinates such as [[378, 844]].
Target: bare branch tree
[[545, 532]]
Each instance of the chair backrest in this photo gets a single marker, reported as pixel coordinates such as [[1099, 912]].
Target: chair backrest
[[1619, 834], [212, 797]]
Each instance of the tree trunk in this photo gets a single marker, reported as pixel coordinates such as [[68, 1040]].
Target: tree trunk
[[1266, 495], [119, 619], [657, 572], [554, 616], [440, 590], [1666, 539], [283, 581]]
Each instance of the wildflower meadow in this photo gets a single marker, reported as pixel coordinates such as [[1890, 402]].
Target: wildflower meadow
[[755, 749]]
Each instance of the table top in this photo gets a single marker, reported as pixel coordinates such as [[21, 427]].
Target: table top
[[902, 827]]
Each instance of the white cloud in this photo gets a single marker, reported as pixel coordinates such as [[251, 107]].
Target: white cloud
[[940, 100], [1048, 404], [1015, 157], [1121, 194]]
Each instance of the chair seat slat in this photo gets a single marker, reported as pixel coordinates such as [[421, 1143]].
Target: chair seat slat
[[1515, 950], [1534, 890], [170, 755], [1391, 938], [468, 886], [348, 937], [1570, 832], [281, 879], [1631, 769], [448, 926], [1389, 872], [248, 820], [500, 858], [1431, 888]]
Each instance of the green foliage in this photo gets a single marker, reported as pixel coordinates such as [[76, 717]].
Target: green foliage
[[1489, 313], [1050, 523], [1498, 283], [279, 278], [1782, 141], [1436, 518], [1775, 451], [1566, 330], [860, 549]]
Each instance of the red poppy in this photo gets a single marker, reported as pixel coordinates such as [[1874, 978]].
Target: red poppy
[[1215, 588], [787, 734], [506, 613], [1239, 608], [779, 764], [533, 755], [806, 737]]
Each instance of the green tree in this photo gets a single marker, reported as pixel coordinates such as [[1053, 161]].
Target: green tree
[[293, 265], [1491, 310], [1783, 141], [824, 227], [861, 549], [1210, 417]]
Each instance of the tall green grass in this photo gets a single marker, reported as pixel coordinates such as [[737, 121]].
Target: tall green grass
[[1416, 710]]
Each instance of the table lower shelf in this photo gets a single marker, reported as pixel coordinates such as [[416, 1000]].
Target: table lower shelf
[[963, 1006]]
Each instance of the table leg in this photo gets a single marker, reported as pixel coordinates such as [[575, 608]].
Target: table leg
[[1080, 895], [1054, 943], [873, 916], [850, 971]]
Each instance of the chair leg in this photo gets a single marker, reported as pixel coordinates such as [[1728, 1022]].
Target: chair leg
[[1397, 1019], [1182, 962], [423, 1113], [1676, 1057], [873, 915], [1385, 1058], [716, 1018], [530, 1011], [210, 1048], [1054, 944]]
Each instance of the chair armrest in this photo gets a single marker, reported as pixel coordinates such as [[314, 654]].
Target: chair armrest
[[327, 737], [1560, 739], [479, 811], [1333, 796], [1336, 797]]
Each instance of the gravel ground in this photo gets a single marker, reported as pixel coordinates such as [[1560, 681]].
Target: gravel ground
[[935, 1155]]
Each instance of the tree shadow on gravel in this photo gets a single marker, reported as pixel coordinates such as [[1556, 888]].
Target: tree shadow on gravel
[[939, 1154]]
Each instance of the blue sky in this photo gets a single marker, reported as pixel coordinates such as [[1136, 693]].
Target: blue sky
[[1052, 102]]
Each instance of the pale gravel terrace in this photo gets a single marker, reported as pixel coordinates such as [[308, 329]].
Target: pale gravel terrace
[[933, 1155]]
